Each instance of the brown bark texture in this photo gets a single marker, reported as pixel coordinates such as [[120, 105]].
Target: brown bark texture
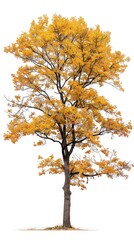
[[67, 196]]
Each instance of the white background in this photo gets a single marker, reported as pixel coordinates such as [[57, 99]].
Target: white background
[[27, 200]]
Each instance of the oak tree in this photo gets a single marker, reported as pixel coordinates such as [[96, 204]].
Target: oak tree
[[64, 64]]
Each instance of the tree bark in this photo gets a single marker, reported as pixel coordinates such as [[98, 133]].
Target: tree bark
[[67, 195]]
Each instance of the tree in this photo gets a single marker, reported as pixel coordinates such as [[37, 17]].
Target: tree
[[64, 64]]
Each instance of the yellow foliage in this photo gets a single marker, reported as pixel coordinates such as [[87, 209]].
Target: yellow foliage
[[63, 62]]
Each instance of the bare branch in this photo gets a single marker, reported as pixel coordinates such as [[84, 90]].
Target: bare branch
[[45, 136]]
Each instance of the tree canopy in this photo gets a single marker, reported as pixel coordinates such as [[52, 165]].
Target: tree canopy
[[64, 63]]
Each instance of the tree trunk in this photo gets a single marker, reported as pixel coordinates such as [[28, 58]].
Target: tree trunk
[[67, 196]]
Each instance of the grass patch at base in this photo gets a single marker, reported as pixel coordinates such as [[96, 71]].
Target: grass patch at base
[[60, 227], [57, 227]]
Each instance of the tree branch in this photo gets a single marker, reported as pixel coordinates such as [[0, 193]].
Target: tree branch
[[86, 175], [44, 136]]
